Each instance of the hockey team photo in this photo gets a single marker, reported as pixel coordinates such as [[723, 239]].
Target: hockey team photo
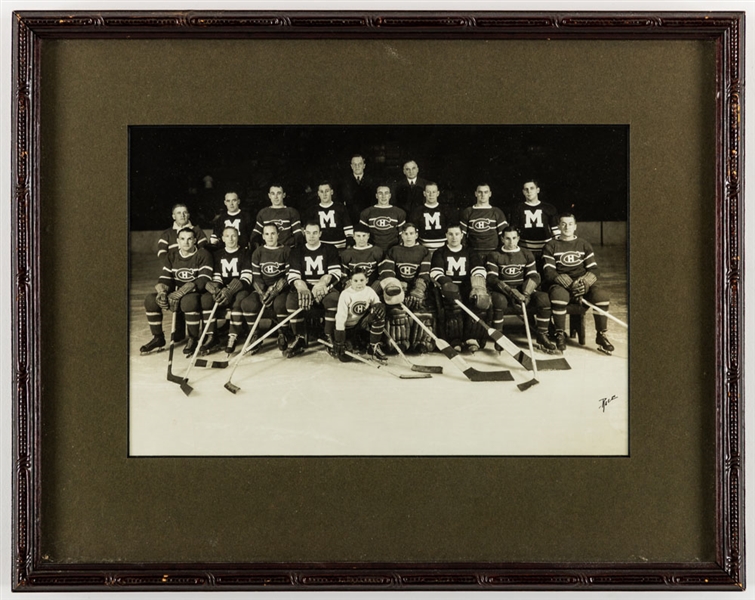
[[379, 290]]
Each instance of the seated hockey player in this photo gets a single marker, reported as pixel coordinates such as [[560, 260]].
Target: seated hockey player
[[513, 279], [230, 285], [570, 272], [312, 271], [269, 270], [184, 273], [459, 273], [409, 263], [363, 256], [232, 216], [359, 310]]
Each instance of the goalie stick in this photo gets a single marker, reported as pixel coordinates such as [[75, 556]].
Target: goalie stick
[[234, 388], [553, 364], [469, 371], [603, 312], [414, 367], [171, 347], [378, 365], [185, 387]]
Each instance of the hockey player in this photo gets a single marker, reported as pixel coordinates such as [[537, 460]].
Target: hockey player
[[234, 217], [269, 270], [363, 256], [537, 221], [185, 272], [409, 264], [285, 218], [459, 273], [383, 220], [482, 224], [312, 269], [570, 272], [359, 309], [513, 278], [230, 285], [431, 219], [334, 219], [168, 239]]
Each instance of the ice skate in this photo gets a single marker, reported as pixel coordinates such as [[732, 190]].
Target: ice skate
[[190, 346], [377, 353], [156, 344], [297, 347], [560, 341], [603, 344], [210, 345], [544, 343]]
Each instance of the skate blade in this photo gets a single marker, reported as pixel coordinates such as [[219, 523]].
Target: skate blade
[[148, 352], [604, 351]]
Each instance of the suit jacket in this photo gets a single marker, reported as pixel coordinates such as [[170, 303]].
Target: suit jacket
[[356, 196], [408, 197]]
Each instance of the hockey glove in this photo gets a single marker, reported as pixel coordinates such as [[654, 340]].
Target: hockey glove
[[211, 288], [564, 280], [174, 298], [578, 287], [479, 294], [450, 292], [529, 287], [234, 287], [273, 291], [517, 296], [162, 296], [589, 279], [377, 311], [319, 290], [305, 295], [417, 296]]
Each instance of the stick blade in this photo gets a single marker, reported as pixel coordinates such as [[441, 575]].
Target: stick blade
[[185, 387], [524, 360], [213, 364], [553, 364], [415, 376], [175, 378], [427, 369], [527, 384], [231, 388], [475, 375]]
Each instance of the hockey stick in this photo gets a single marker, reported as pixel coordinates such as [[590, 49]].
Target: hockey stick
[[234, 388], [414, 367], [171, 377], [185, 387], [471, 373], [605, 313], [533, 381], [380, 366], [553, 364]]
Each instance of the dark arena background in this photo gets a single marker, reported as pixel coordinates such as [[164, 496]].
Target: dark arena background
[[314, 405]]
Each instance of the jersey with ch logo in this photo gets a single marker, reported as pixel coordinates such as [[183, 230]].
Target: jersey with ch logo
[[573, 258], [178, 269], [367, 259], [384, 223], [482, 226], [406, 263], [269, 264], [512, 267]]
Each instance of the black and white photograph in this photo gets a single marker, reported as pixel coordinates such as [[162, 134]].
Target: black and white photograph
[[378, 290]]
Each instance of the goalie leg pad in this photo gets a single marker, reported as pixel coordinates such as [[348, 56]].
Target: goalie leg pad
[[454, 325], [420, 340], [399, 327]]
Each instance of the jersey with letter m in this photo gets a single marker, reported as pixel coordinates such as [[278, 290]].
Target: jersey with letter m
[[311, 264], [573, 258], [459, 265], [232, 265]]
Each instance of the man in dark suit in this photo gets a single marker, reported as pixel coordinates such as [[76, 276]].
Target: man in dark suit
[[407, 192], [357, 189]]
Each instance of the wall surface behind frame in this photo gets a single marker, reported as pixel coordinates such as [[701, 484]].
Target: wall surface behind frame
[[98, 505]]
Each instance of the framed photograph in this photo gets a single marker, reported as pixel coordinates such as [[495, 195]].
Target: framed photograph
[[368, 300]]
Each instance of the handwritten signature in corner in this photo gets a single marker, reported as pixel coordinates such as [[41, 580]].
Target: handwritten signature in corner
[[603, 402]]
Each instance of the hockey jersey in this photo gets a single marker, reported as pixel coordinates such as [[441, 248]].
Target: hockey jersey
[[368, 259], [269, 264], [573, 258], [178, 269], [352, 305], [310, 264], [512, 267], [285, 218], [482, 226], [406, 263], [241, 220], [384, 223], [537, 224], [335, 223]]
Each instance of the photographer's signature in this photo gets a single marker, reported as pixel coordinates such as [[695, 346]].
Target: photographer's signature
[[606, 401]]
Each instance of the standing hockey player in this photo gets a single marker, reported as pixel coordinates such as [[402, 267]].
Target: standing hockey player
[[334, 219], [359, 309], [570, 272], [269, 271], [537, 221], [234, 217], [286, 219], [409, 264], [482, 224], [513, 278], [313, 269], [230, 285], [363, 256], [185, 272], [431, 219], [169, 238], [383, 220], [459, 273]]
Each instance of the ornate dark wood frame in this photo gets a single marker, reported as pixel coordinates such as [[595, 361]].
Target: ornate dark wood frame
[[726, 29]]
